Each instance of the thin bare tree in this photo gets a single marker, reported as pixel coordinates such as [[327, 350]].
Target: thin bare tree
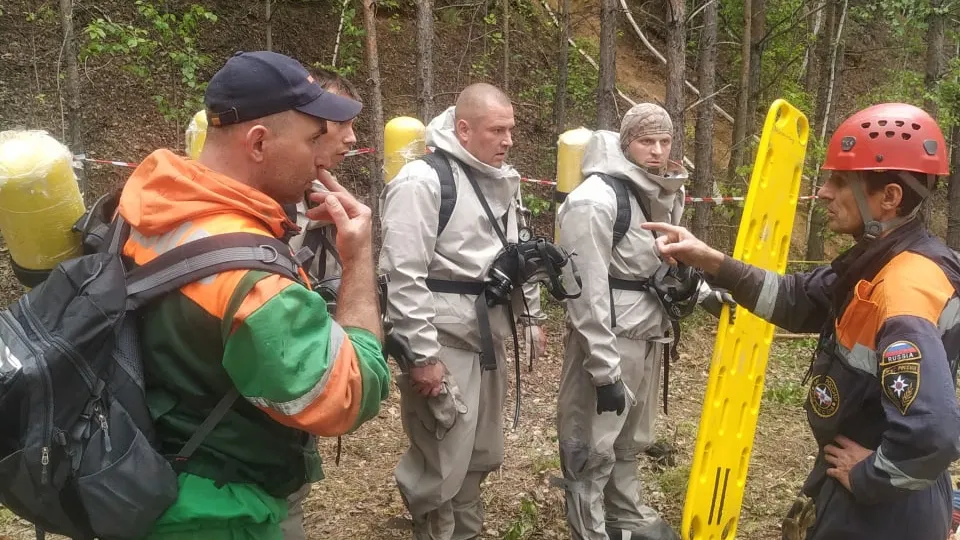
[[376, 101], [606, 96], [676, 71], [74, 123], [703, 144], [424, 59]]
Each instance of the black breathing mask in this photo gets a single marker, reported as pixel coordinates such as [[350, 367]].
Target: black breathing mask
[[532, 261], [677, 289]]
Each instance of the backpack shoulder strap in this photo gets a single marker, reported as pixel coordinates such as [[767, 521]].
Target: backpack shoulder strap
[[205, 257], [624, 214], [448, 187]]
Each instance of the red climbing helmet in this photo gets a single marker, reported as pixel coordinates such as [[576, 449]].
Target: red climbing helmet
[[889, 136]]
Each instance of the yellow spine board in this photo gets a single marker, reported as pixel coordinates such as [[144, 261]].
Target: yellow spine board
[[728, 421]]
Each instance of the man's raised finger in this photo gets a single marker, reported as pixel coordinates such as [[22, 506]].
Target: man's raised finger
[[665, 228], [329, 181]]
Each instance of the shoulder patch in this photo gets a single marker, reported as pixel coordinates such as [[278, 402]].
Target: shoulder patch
[[901, 382], [900, 351], [824, 396]]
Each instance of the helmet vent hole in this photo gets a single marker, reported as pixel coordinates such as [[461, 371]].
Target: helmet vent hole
[[874, 134], [916, 127], [889, 134], [865, 125], [899, 123], [881, 122], [906, 136]]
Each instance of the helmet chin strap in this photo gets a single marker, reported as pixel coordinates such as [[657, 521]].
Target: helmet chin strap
[[872, 228]]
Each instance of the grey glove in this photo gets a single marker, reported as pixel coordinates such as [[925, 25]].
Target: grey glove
[[444, 407], [611, 397], [713, 303]]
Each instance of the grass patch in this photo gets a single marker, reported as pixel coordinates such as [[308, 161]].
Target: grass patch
[[788, 393], [545, 463], [525, 523], [6, 516], [673, 482]]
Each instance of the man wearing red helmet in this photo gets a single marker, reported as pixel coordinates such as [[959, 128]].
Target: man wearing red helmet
[[881, 401]]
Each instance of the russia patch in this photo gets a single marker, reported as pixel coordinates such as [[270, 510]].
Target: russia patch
[[900, 351], [901, 383]]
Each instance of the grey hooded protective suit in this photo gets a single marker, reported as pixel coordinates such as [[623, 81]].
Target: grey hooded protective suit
[[440, 474], [598, 452]]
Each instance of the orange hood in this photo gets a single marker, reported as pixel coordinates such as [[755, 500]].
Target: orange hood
[[166, 190]]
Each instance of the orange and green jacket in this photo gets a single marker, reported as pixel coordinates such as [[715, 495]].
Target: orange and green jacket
[[299, 372]]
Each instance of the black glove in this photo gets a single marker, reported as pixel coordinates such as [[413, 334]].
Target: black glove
[[714, 302], [611, 397]]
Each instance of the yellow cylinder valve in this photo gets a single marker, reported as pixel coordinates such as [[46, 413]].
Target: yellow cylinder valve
[[196, 134], [404, 140], [39, 203], [570, 147]]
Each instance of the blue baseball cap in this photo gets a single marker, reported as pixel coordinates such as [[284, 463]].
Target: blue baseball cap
[[255, 84]]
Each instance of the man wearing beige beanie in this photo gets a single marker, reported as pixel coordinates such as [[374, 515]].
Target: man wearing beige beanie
[[617, 328]]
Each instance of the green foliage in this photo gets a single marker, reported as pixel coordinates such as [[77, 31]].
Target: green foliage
[[537, 205], [161, 48], [582, 80], [43, 14], [526, 523], [350, 54]]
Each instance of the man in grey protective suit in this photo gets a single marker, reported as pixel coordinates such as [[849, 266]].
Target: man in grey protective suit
[[615, 336], [439, 476]]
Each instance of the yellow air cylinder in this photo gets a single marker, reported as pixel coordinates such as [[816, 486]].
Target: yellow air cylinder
[[570, 147], [404, 140], [39, 203], [196, 134]]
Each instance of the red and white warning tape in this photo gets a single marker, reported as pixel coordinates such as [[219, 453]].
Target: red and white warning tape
[[688, 199], [359, 151]]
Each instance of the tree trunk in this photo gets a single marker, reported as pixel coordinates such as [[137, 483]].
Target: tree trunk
[[676, 70], [424, 60], [740, 118], [505, 8], [934, 53], [376, 106], [563, 57], [953, 195], [703, 159], [830, 86], [757, 32], [606, 97], [808, 68], [74, 130], [268, 17]]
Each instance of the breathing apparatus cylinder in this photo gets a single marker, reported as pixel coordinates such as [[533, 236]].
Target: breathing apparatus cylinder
[[196, 134], [40, 201], [570, 147], [404, 140]]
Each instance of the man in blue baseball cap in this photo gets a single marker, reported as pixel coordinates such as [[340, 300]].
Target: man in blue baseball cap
[[299, 373]]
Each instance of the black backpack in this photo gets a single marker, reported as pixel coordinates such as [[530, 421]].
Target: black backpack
[[76, 442]]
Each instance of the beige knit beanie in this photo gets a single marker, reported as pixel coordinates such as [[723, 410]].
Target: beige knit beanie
[[643, 119]]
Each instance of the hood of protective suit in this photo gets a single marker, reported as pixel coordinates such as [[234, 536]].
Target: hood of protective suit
[[603, 155], [166, 190], [499, 185]]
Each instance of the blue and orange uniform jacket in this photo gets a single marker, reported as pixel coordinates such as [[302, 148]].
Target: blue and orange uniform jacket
[[883, 375]]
